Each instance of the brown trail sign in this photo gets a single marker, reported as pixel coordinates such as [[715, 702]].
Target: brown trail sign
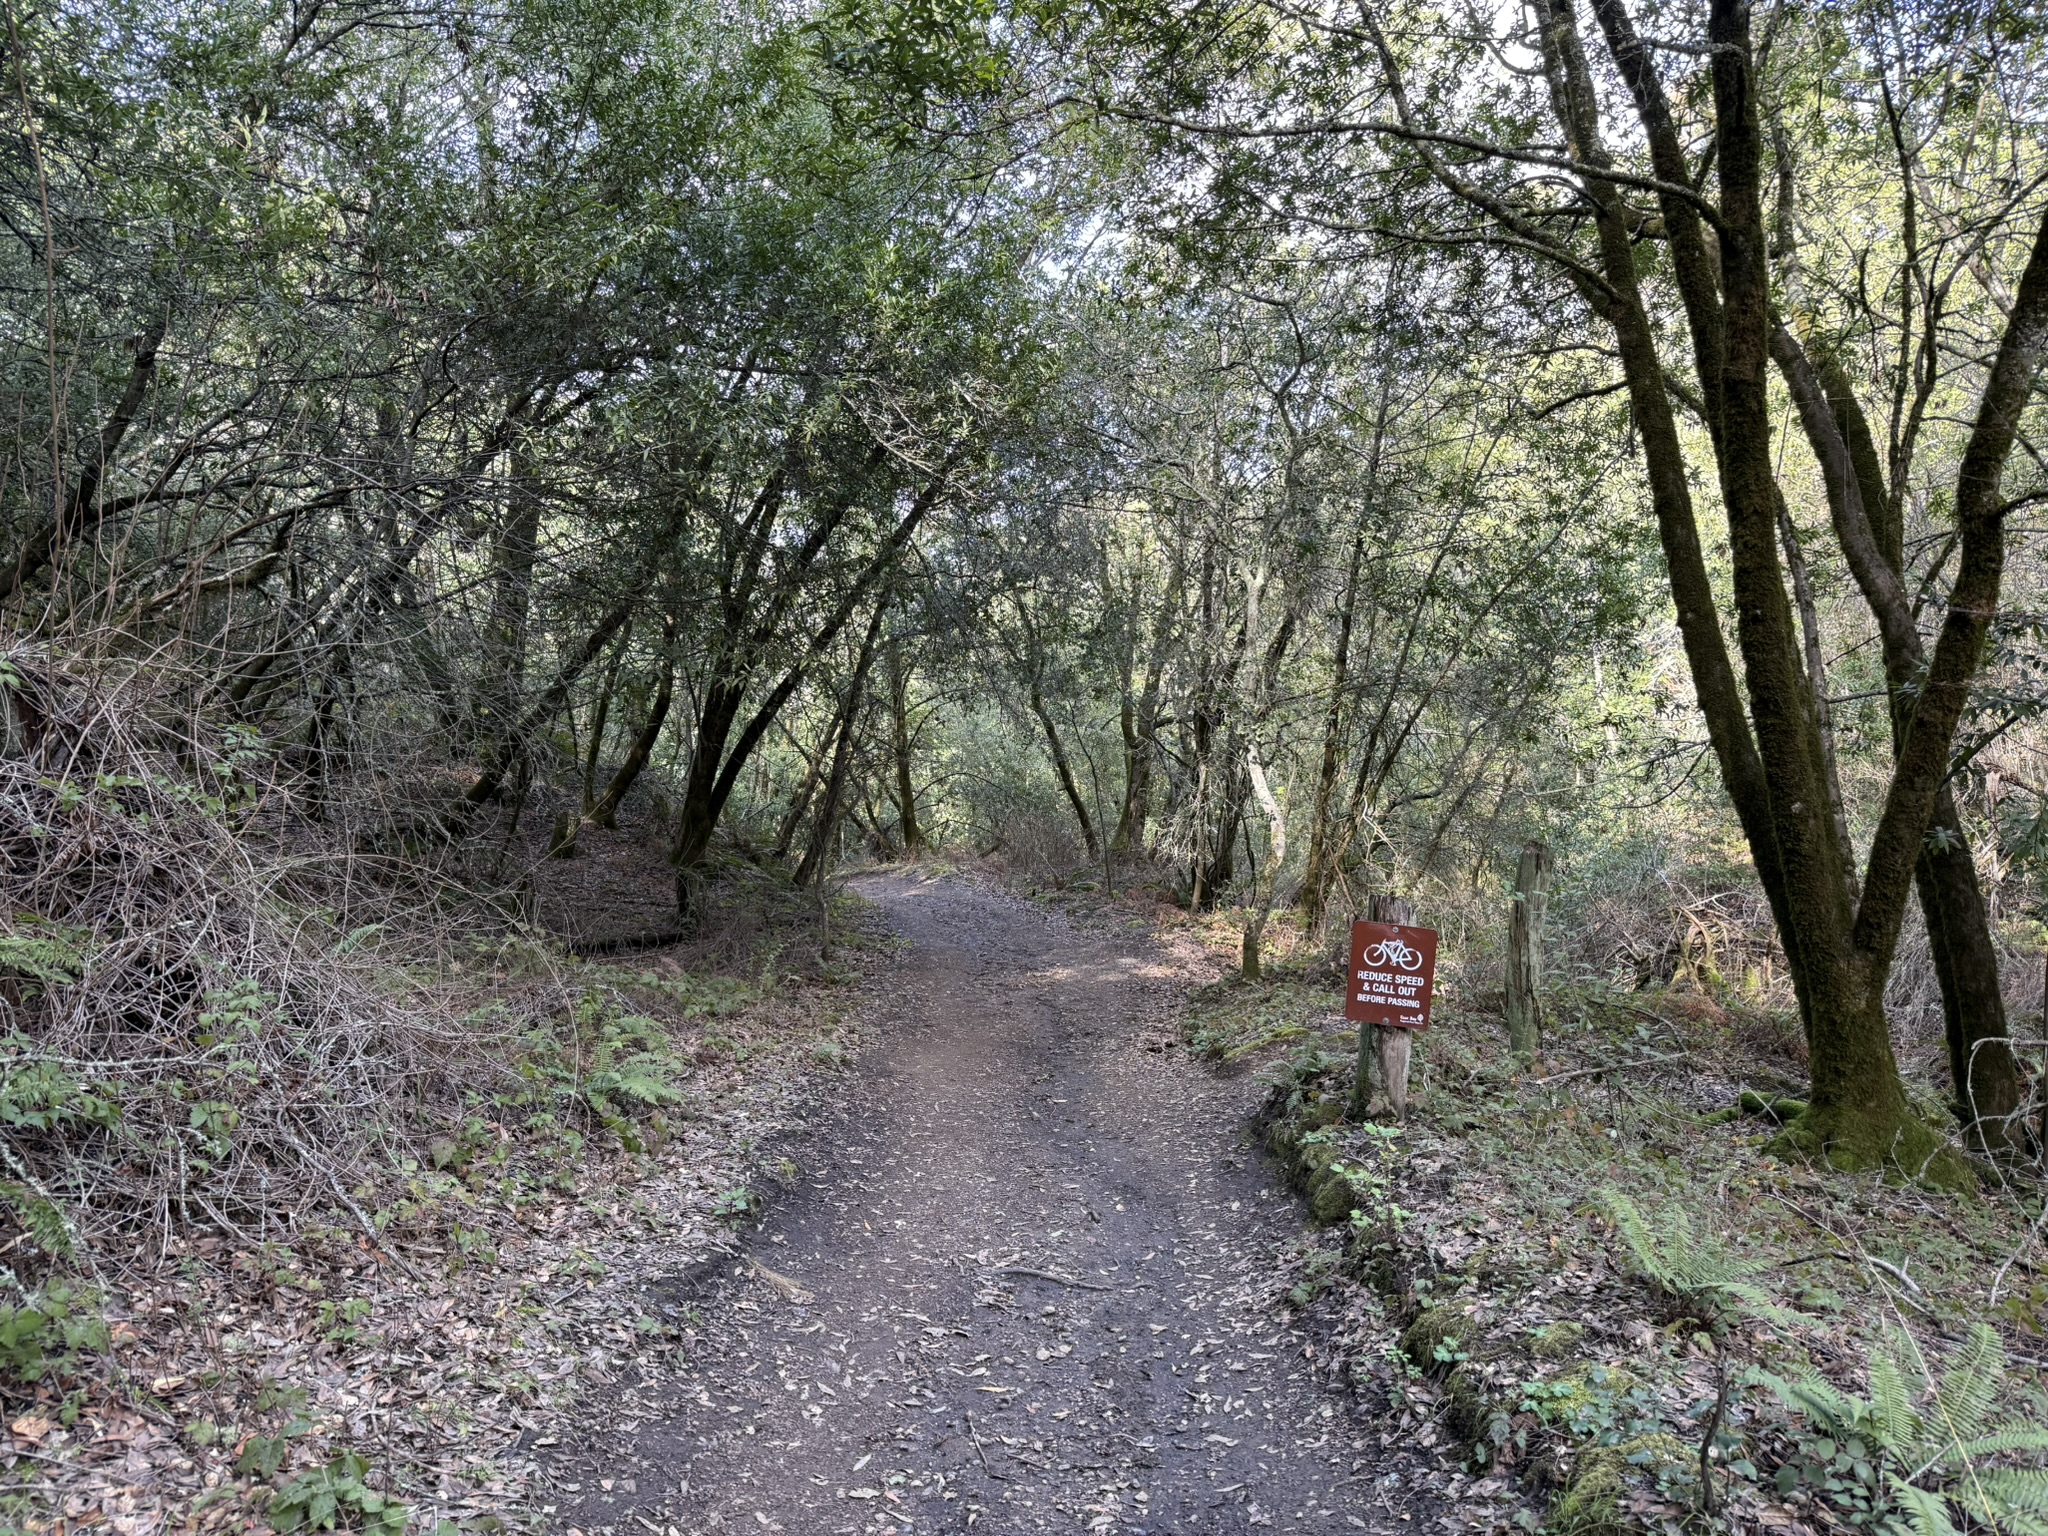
[[1387, 993], [1393, 972]]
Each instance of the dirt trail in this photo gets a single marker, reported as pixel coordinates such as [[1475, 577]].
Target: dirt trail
[[1022, 1121]]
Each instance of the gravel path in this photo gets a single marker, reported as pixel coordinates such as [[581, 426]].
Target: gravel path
[[1025, 1286]]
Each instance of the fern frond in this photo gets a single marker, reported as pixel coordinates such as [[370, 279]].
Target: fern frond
[[639, 1078], [2020, 1488], [1685, 1262], [2011, 1500], [1926, 1512], [1892, 1415], [44, 1222], [1826, 1405], [1758, 1301], [1628, 1221], [1969, 1387], [2007, 1437]]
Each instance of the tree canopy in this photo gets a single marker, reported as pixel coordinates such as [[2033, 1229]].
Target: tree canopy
[[1278, 453]]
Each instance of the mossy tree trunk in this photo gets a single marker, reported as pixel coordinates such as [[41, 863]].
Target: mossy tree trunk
[[605, 813], [1139, 720], [1028, 652], [1322, 840], [1326, 840], [601, 716], [807, 786], [1983, 1070], [1269, 872], [1266, 874], [1763, 728], [1523, 1005], [756, 614], [826, 826], [900, 743]]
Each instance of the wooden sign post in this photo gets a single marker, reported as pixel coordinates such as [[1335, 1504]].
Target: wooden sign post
[[1387, 992]]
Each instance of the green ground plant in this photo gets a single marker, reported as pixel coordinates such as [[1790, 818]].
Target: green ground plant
[[1690, 1266], [1239, 1019], [47, 1332], [1926, 1452], [337, 1497], [44, 953], [37, 1094]]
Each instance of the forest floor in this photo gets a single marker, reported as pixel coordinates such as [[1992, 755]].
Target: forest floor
[[1027, 1282], [229, 1382], [1026, 1259]]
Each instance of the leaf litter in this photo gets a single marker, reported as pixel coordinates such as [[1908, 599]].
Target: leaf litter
[[451, 1353]]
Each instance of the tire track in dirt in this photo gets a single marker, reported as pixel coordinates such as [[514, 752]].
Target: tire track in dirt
[[1029, 1283]]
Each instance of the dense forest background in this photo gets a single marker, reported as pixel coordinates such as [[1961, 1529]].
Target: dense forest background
[[1257, 454], [1213, 445]]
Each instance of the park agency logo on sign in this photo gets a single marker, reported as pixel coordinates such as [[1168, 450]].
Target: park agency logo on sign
[[1393, 972]]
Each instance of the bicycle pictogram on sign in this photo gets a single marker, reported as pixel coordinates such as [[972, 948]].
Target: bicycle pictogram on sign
[[1393, 952]]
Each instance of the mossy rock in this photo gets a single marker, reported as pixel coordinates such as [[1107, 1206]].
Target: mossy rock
[[1590, 1504], [1330, 1196], [1315, 1156], [1305, 1158], [1782, 1110], [1573, 1395], [1284, 1140], [1318, 1113], [1556, 1341], [1435, 1329]]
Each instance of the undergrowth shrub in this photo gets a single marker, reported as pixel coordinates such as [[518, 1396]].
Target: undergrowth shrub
[[182, 1031], [216, 1010], [629, 1072]]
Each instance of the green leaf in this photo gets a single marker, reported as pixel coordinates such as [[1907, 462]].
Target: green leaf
[[1926, 1512], [1892, 1417], [2010, 1500], [47, 952]]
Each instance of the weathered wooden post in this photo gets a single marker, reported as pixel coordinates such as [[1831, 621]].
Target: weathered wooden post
[[1387, 994], [1525, 941]]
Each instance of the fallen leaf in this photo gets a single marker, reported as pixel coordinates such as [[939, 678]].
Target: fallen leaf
[[782, 1285]]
